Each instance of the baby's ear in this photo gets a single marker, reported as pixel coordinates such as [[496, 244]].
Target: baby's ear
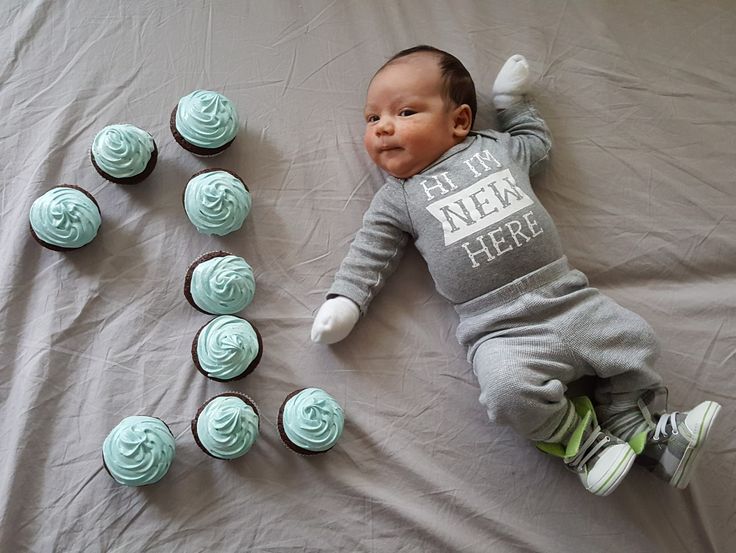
[[462, 120]]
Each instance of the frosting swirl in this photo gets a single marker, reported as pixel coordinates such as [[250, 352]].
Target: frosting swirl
[[138, 451], [227, 427], [65, 217], [216, 202], [206, 119], [223, 285], [313, 420], [122, 150], [227, 346]]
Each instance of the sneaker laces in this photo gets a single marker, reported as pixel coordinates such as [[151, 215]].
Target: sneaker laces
[[668, 419], [597, 440]]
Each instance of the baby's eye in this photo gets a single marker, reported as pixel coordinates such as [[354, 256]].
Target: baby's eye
[[371, 118], [406, 112]]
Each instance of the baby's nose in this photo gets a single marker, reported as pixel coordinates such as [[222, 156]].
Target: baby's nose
[[385, 126]]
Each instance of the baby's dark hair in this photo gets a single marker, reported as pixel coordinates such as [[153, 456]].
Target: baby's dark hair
[[458, 84]]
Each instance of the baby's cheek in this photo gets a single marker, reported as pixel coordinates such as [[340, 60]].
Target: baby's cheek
[[372, 153], [367, 144]]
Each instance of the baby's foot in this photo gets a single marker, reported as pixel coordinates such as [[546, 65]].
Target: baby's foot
[[672, 448], [600, 460]]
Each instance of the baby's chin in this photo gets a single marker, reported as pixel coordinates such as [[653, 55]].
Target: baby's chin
[[398, 164], [401, 171]]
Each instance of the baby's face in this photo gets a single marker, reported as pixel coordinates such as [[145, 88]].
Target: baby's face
[[409, 123]]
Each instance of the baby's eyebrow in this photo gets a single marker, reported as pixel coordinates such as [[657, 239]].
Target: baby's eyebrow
[[400, 101]]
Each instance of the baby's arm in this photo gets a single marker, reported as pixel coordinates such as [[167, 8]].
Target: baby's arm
[[530, 139], [373, 256]]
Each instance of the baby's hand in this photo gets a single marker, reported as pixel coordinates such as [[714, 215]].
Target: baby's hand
[[334, 320], [512, 82]]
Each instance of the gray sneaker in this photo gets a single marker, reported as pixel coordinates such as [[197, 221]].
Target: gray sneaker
[[672, 447], [600, 460]]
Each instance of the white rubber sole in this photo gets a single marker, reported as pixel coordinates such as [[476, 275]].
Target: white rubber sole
[[685, 469], [616, 476]]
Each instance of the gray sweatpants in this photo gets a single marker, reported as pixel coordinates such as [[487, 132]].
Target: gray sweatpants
[[528, 339]]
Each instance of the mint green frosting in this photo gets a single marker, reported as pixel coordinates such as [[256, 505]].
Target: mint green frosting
[[313, 420], [206, 119], [226, 347], [122, 150], [65, 217], [216, 202], [139, 451], [227, 427], [223, 285]]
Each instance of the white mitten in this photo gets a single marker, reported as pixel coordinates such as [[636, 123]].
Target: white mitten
[[512, 82], [334, 320]]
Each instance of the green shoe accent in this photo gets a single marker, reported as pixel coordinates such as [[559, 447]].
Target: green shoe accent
[[638, 441], [558, 450], [583, 405], [573, 444], [584, 408]]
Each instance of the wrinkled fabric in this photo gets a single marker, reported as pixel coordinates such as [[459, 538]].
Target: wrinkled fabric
[[639, 99]]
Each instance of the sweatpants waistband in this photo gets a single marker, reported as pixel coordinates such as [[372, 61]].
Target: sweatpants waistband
[[514, 289]]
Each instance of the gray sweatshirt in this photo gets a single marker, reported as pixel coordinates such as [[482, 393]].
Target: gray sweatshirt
[[472, 215]]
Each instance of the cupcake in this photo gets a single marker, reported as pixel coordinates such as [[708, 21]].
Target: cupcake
[[138, 451], [216, 201], [123, 154], [227, 348], [204, 122], [226, 426], [65, 218], [219, 283], [310, 421]]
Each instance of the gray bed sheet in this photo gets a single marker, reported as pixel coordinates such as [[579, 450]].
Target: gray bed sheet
[[640, 99]]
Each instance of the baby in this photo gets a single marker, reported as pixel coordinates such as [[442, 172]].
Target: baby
[[530, 322]]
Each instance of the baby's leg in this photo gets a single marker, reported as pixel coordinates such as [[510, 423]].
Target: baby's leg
[[622, 349], [523, 376], [618, 344]]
